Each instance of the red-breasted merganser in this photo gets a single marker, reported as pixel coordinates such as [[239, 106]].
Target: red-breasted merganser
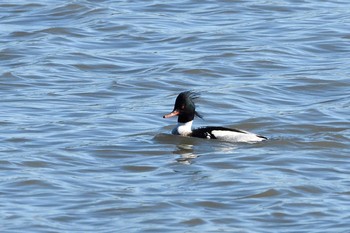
[[185, 109]]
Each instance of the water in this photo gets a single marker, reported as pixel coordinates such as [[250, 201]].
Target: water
[[84, 86]]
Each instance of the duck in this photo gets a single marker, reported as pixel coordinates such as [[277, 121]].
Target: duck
[[185, 110]]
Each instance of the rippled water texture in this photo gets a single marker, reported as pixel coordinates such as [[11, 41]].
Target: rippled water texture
[[84, 86]]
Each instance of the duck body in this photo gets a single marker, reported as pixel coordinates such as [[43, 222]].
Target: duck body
[[226, 134], [185, 110]]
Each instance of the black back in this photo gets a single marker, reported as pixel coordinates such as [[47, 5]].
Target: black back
[[206, 132]]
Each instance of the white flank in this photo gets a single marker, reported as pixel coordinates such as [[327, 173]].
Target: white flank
[[183, 129], [232, 136]]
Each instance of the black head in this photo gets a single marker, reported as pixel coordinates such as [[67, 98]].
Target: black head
[[185, 107]]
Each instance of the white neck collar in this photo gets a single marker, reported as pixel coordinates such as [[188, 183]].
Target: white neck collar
[[183, 129]]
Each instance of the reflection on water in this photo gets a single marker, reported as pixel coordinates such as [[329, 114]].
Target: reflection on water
[[186, 153], [183, 146]]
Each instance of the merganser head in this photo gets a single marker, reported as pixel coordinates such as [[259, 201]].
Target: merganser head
[[185, 107]]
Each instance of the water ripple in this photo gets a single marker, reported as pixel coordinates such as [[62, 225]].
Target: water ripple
[[84, 86]]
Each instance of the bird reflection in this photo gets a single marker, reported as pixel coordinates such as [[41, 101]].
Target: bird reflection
[[186, 153]]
